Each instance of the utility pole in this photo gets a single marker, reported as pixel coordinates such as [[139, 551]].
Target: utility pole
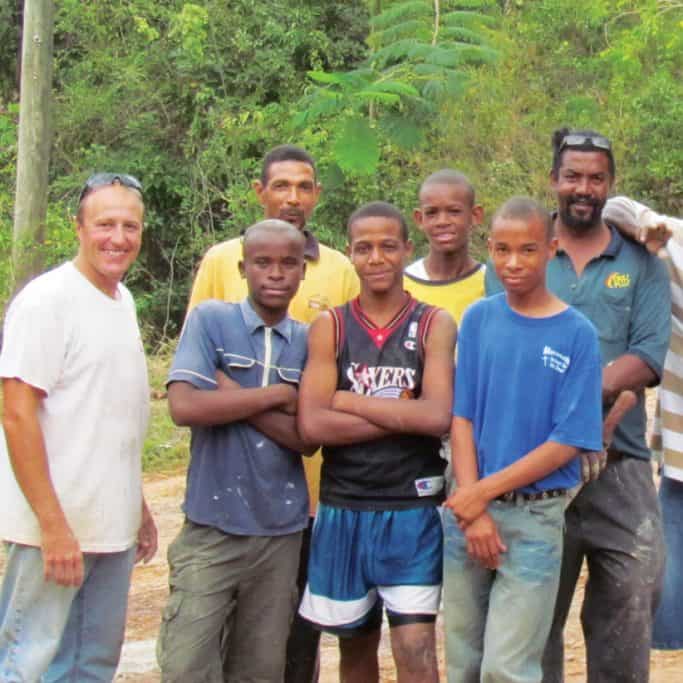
[[35, 137]]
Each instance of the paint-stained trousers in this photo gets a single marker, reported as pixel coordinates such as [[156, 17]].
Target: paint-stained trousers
[[615, 524]]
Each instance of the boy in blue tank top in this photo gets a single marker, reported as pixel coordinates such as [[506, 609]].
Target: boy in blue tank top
[[527, 401], [234, 563]]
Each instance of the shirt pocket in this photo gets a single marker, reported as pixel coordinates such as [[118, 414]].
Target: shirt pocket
[[614, 319], [289, 375], [241, 369]]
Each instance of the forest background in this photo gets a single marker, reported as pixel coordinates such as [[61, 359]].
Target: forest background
[[188, 96]]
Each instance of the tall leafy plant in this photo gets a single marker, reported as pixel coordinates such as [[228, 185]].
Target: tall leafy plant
[[421, 54]]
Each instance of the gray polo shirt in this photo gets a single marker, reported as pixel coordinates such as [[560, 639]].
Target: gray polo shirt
[[239, 480], [625, 293]]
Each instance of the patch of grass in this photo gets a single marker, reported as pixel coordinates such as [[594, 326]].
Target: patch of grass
[[167, 447]]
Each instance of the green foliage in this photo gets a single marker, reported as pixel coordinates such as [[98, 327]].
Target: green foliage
[[10, 21], [167, 446], [189, 95], [419, 51]]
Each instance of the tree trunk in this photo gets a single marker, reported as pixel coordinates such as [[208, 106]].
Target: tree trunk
[[35, 135]]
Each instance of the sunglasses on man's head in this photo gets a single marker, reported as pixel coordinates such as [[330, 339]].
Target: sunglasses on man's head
[[102, 179], [578, 140]]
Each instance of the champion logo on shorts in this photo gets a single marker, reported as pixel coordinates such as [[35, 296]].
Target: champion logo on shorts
[[428, 486]]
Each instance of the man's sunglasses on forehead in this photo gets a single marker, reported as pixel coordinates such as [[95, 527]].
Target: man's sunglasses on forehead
[[102, 179], [579, 140]]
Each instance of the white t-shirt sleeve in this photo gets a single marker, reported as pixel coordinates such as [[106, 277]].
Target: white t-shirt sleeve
[[34, 343]]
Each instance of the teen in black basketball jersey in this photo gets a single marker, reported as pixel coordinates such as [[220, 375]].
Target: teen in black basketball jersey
[[377, 393]]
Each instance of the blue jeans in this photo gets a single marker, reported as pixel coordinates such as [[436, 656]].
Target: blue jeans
[[668, 626], [54, 633], [497, 622]]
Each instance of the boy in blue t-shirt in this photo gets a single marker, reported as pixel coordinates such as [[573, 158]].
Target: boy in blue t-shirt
[[234, 563], [527, 400]]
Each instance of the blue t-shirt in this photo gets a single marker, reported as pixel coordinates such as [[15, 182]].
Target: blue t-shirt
[[625, 293], [239, 480], [523, 381]]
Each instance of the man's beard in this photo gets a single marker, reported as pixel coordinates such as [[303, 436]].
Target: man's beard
[[577, 223]]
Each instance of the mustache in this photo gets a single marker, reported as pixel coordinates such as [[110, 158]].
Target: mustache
[[291, 213], [576, 198]]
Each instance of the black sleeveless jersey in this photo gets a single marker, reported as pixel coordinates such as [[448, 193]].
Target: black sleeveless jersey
[[400, 471]]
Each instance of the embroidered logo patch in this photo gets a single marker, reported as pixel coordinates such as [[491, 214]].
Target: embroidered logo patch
[[618, 281]]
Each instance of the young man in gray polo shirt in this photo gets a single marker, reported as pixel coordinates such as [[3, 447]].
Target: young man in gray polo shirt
[[614, 522], [233, 381]]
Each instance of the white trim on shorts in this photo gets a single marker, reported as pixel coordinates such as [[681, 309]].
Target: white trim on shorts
[[403, 600]]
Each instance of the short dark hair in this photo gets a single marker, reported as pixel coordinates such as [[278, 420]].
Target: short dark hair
[[273, 226], [449, 176], [378, 210], [560, 145], [285, 153], [524, 209]]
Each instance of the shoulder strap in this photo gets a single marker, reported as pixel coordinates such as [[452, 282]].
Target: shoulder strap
[[423, 327], [338, 318]]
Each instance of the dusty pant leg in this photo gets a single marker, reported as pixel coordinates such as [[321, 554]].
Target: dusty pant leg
[[304, 639], [572, 557], [668, 628], [466, 591], [519, 614], [266, 600], [205, 567], [625, 552]]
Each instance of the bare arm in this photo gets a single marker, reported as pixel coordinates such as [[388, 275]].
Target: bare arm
[[465, 468], [431, 413], [483, 541], [148, 540], [317, 420], [193, 407], [62, 557], [626, 372], [281, 428], [470, 501], [278, 424]]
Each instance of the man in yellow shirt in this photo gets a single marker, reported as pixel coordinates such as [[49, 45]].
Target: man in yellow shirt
[[287, 189]]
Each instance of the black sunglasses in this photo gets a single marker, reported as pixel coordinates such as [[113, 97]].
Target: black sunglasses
[[101, 179], [578, 140]]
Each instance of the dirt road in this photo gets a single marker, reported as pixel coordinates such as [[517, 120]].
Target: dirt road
[[149, 591]]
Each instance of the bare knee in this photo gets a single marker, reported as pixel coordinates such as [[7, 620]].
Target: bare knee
[[414, 649]]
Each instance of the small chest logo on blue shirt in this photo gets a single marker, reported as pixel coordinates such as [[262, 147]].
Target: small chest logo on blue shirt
[[554, 360]]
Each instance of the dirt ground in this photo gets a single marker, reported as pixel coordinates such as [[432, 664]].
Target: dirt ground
[[149, 592]]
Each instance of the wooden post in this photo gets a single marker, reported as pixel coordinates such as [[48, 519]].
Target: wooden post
[[35, 137]]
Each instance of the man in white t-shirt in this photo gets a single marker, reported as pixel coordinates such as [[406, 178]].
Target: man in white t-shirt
[[76, 403]]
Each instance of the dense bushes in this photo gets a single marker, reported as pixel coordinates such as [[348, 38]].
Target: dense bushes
[[188, 96]]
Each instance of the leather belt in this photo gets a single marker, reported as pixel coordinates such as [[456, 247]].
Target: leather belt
[[515, 496]]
